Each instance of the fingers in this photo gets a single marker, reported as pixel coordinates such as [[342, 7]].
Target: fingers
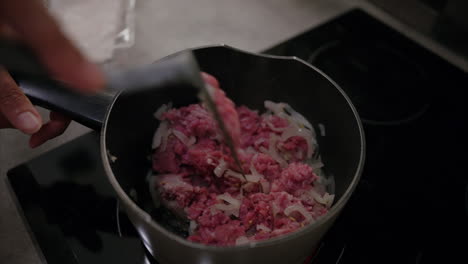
[[30, 19], [7, 32], [55, 127], [210, 80], [15, 107]]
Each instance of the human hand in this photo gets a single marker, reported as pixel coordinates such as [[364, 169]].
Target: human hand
[[28, 21]]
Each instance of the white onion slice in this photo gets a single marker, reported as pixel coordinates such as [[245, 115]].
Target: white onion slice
[[234, 174], [276, 108], [171, 181], [242, 240], [316, 164], [229, 199], [326, 199], [193, 225], [266, 186], [300, 209], [161, 133], [273, 152], [165, 139], [275, 209], [233, 206], [161, 110], [183, 138], [253, 177], [221, 168], [293, 131], [259, 141], [263, 227], [250, 149], [299, 125], [322, 129], [272, 127], [210, 161]]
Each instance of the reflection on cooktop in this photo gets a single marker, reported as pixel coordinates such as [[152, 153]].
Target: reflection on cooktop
[[384, 85]]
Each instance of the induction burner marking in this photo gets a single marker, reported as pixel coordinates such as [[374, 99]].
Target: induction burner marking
[[117, 216], [359, 69], [341, 254]]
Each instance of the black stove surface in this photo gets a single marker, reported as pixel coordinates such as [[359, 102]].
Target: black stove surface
[[412, 201]]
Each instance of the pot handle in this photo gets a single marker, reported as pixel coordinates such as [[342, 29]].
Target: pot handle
[[180, 69], [32, 77], [88, 110]]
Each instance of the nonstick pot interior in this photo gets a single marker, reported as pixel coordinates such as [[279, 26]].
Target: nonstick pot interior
[[249, 80]]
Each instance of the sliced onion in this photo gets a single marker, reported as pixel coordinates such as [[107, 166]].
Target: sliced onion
[[276, 108], [263, 227], [322, 129], [165, 139], [161, 110], [193, 225], [275, 209], [325, 199], [272, 127], [221, 168], [329, 198], [242, 240], [228, 209], [234, 174], [299, 125], [300, 209], [253, 178], [273, 152], [298, 118], [266, 186], [229, 199], [161, 133], [316, 164], [210, 161], [248, 187], [111, 157], [250, 149], [183, 138], [259, 141], [233, 206], [171, 181], [294, 131]]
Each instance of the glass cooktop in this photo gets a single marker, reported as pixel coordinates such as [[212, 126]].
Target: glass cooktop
[[410, 206]]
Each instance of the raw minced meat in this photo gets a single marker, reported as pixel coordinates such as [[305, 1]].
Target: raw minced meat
[[197, 178]]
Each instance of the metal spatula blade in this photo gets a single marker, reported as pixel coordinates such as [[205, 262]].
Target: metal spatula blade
[[205, 96]]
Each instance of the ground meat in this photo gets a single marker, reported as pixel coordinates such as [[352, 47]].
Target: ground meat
[[196, 177], [296, 178], [229, 115], [226, 109]]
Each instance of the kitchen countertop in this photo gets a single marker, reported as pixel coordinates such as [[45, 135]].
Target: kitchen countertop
[[167, 26]]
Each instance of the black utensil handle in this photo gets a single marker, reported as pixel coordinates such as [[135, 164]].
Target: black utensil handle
[[84, 109], [177, 70], [180, 69], [33, 79]]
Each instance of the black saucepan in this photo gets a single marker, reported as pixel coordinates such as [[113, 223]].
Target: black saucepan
[[127, 126]]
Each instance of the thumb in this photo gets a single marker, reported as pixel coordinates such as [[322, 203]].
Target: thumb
[[15, 108]]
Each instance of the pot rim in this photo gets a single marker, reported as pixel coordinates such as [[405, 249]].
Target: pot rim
[[335, 209]]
